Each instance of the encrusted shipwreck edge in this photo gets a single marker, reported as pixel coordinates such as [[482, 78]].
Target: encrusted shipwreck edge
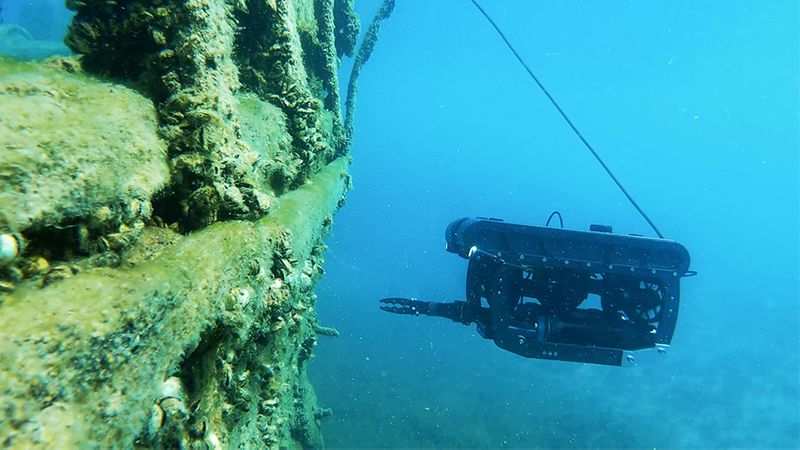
[[86, 370], [202, 340]]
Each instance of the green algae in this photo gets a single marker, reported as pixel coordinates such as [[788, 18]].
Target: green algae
[[277, 63], [61, 165], [97, 343], [192, 58], [264, 128], [171, 186], [347, 26]]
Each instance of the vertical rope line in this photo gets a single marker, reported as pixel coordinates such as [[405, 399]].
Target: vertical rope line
[[362, 56], [567, 119]]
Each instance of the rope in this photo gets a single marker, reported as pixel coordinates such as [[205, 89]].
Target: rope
[[567, 119], [362, 56]]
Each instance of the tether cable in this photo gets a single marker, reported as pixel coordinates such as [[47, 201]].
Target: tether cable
[[567, 119], [555, 214]]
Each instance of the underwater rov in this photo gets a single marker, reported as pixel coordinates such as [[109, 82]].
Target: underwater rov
[[568, 295], [531, 289]]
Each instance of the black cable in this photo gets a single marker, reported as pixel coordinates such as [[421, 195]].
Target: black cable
[[566, 118], [560, 219]]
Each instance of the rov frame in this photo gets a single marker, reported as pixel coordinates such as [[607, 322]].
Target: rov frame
[[540, 277]]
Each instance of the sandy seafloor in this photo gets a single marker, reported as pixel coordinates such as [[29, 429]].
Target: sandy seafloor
[[693, 105]]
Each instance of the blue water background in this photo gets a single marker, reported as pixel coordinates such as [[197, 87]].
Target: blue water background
[[695, 107], [693, 104], [45, 20]]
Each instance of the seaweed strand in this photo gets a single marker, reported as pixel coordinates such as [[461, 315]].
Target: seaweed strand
[[362, 56]]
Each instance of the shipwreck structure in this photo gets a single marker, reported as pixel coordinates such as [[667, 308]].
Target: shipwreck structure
[[164, 194]]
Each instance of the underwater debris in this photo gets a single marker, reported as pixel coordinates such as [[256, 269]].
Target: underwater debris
[[326, 331], [347, 25], [321, 413], [215, 117]]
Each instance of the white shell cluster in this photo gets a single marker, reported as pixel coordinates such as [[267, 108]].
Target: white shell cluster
[[9, 248], [212, 442], [170, 406], [170, 402], [172, 388]]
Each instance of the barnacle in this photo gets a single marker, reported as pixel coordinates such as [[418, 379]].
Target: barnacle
[[238, 298]]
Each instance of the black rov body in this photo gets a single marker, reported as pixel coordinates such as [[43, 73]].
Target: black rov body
[[553, 293]]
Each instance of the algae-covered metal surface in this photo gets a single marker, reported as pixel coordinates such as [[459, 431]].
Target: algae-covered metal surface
[[163, 197]]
